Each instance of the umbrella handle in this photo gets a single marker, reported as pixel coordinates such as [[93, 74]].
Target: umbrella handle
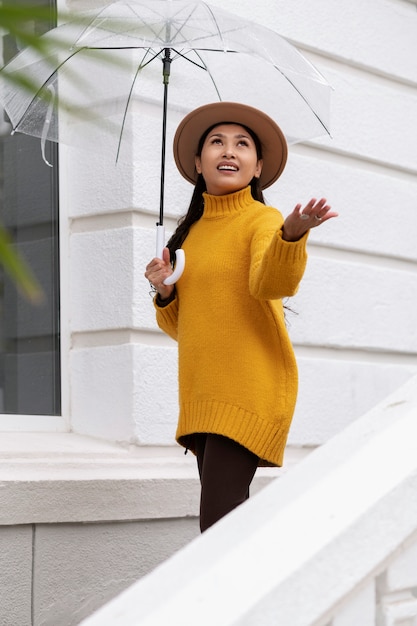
[[179, 256]]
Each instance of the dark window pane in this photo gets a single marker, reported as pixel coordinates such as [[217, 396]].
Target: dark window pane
[[29, 334]]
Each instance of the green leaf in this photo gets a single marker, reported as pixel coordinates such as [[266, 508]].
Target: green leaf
[[18, 270]]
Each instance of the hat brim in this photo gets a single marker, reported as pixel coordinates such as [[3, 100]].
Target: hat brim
[[192, 127]]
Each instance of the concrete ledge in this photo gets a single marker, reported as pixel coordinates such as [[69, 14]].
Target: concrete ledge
[[64, 477]]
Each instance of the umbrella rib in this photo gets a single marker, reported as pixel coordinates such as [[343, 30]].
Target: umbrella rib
[[303, 98], [210, 74], [178, 30], [179, 27], [102, 20], [139, 68], [81, 35], [215, 21], [202, 66]]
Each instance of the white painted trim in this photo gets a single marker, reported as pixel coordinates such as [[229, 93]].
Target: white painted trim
[[58, 478], [65, 285], [32, 424]]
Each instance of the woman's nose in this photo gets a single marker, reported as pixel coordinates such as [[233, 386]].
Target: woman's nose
[[228, 152]]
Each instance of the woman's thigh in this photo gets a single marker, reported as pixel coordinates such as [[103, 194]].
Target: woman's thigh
[[226, 470]]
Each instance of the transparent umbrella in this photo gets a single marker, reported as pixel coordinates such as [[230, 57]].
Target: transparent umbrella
[[106, 75]]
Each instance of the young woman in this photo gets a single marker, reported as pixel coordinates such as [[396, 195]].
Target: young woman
[[237, 370]]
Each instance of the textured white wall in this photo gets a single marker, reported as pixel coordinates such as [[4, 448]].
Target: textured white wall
[[354, 332], [57, 574]]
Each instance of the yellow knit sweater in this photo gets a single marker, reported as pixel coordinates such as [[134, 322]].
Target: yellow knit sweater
[[237, 370]]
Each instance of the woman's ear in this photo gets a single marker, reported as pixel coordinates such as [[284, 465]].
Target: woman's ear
[[197, 161], [258, 169]]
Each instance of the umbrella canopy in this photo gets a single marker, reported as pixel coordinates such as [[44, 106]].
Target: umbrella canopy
[[101, 79], [213, 54]]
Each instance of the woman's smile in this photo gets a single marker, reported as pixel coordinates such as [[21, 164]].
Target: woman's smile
[[227, 167]]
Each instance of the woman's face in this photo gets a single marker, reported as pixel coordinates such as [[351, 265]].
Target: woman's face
[[228, 160]]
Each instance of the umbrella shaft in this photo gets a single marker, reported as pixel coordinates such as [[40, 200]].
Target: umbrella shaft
[[166, 70], [165, 73]]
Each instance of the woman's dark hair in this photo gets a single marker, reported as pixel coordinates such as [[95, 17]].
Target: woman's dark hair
[[196, 208]]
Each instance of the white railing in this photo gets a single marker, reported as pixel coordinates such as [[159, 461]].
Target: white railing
[[331, 543]]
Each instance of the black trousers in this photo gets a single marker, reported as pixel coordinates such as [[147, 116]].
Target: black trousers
[[226, 471]]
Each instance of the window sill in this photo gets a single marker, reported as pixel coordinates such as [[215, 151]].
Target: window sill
[[65, 477]]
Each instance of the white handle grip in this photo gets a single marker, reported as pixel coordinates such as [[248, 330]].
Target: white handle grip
[[160, 240], [178, 269], [179, 256]]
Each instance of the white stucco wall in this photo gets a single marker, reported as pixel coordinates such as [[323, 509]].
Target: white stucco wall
[[354, 332]]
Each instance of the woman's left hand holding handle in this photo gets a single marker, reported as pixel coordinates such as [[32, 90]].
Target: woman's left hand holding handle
[[157, 271]]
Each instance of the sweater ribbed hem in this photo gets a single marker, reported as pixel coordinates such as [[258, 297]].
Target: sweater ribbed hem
[[266, 439]]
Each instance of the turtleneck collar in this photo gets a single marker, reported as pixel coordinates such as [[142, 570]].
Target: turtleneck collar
[[227, 205]]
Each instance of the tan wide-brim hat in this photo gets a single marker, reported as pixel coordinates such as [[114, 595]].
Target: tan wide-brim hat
[[195, 124]]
